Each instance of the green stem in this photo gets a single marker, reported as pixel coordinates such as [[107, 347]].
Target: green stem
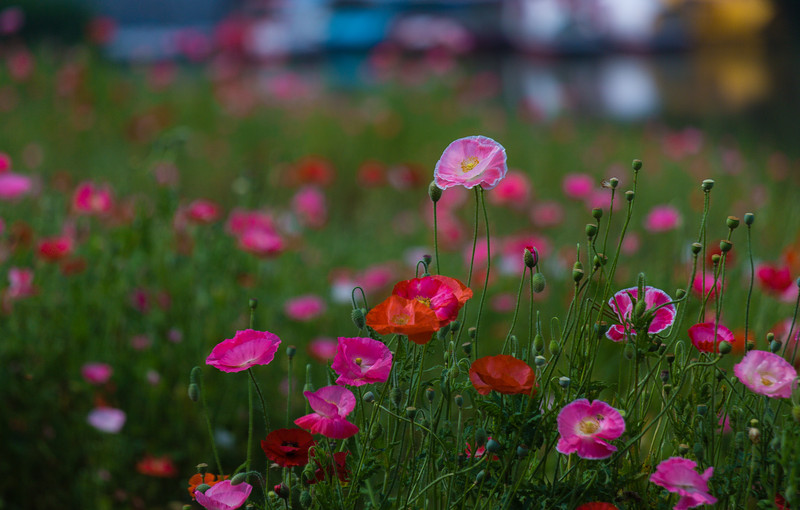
[[488, 269]]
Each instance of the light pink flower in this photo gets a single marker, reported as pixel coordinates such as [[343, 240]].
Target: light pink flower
[[20, 283], [584, 426], [141, 342], [97, 373], [513, 191], [309, 206], [92, 199], [548, 213], [703, 338], [767, 374], [678, 475], [255, 231], [361, 361], [471, 161], [662, 218], [304, 308], [323, 349], [621, 304], [13, 186], [601, 199], [578, 186], [224, 496], [246, 349], [331, 404], [202, 212], [106, 419], [701, 285]]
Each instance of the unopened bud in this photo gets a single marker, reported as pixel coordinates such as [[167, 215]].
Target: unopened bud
[[770, 337], [530, 256], [601, 328], [538, 343], [435, 192], [203, 487], [630, 351], [376, 431], [725, 246], [411, 412], [481, 436], [637, 165], [480, 476], [630, 195], [555, 348], [775, 346], [707, 184], [194, 375], [194, 392], [715, 258], [538, 282], [467, 347], [725, 347], [252, 303], [239, 478], [282, 490], [455, 326], [368, 397], [679, 293], [358, 318], [732, 222], [597, 213], [493, 446], [459, 400], [472, 332], [291, 351], [749, 218]]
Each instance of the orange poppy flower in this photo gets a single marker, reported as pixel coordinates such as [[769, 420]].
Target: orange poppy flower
[[404, 316], [503, 374], [198, 479], [597, 506]]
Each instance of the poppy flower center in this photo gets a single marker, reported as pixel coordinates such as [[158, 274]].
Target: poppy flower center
[[400, 319], [588, 426], [469, 163], [425, 301], [358, 361], [766, 380]]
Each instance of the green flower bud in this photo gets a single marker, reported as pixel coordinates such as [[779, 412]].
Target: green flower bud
[[194, 392], [369, 397], [459, 400], [493, 446], [629, 351], [724, 347], [555, 348], [749, 218], [358, 318], [291, 351], [434, 192], [538, 282], [775, 346], [637, 165], [696, 248], [203, 487], [564, 381], [538, 343], [481, 437], [377, 431], [707, 184], [770, 337], [732, 222], [239, 478], [455, 326], [680, 293], [194, 375], [467, 347], [305, 499], [597, 213], [530, 257], [396, 396], [253, 303], [480, 476]]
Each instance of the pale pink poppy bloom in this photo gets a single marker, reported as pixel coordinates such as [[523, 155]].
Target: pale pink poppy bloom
[[662, 218], [585, 427], [97, 373], [331, 404], [14, 186], [601, 199], [704, 339], [309, 206], [304, 308], [481, 254], [322, 349], [450, 229], [767, 374], [469, 162], [578, 186], [92, 199], [141, 342], [622, 305], [679, 144], [702, 285], [202, 212], [548, 213], [261, 242], [53, 249], [106, 419], [20, 283], [678, 475], [5, 163], [246, 349], [514, 190], [630, 244], [241, 220], [361, 361], [224, 496], [375, 277]]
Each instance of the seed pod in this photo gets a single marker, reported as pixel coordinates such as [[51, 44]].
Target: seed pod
[[564, 381], [775, 346], [630, 195], [597, 213], [749, 218], [724, 347], [636, 165], [368, 397], [696, 248], [679, 293], [459, 400], [455, 326], [291, 351], [614, 182], [707, 184], [732, 222], [493, 446], [702, 409], [591, 230], [725, 246], [539, 361]]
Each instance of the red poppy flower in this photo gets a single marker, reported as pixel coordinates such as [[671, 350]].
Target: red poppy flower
[[597, 506], [198, 479], [503, 374], [162, 467], [404, 317], [338, 467], [288, 447]]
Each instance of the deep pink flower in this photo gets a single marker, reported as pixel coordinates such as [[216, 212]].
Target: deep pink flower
[[13, 186], [255, 231], [331, 404], [701, 285], [548, 213], [702, 336], [662, 218], [767, 374], [5, 163], [106, 419], [304, 308], [322, 349], [92, 199], [777, 280], [362, 361], [479, 452], [621, 304], [578, 186], [246, 349], [469, 162], [584, 426], [678, 475], [20, 283], [513, 191], [224, 496], [309, 206], [202, 212], [432, 292], [97, 373], [53, 249]]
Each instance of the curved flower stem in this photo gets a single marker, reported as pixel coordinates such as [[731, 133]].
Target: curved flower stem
[[488, 270], [516, 309], [261, 397], [750, 289], [436, 239], [472, 258], [208, 425]]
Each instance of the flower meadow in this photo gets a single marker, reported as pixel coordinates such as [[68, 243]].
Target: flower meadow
[[223, 293]]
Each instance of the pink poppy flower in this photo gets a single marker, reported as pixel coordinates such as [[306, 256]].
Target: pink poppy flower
[[106, 419], [20, 283], [97, 373], [13, 186], [584, 426], [547, 214], [141, 342], [5, 163], [322, 349], [767, 374], [678, 475], [702, 336], [578, 186], [310, 208], [662, 218], [512, 249], [479, 452], [304, 308], [443, 295], [513, 191], [202, 212], [224, 496], [255, 231], [53, 249], [361, 361], [246, 349], [92, 199], [622, 305], [331, 404], [700, 285], [777, 280], [469, 162]]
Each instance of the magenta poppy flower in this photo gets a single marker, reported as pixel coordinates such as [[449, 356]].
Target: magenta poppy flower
[[361, 361], [777, 280], [13, 186], [331, 404], [578, 186], [20, 283], [202, 212], [97, 373], [662, 218], [703, 284], [678, 475], [224, 496], [310, 208], [585, 426], [92, 199], [322, 349], [471, 161], [622, 305], [246, 349], [304, 308], [514, 190], [767, 374], [703, 338], [106, 419], [53, 249]]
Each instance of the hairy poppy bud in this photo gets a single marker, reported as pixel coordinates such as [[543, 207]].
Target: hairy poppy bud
[[396, 396], [434, 192], [377, 431], [481, 437], [538, 343], [725, 347], [194, 375], [239, 478], [530, 256], [555, 348], [203, 487], [538, 282], [630, 351], [358, 317], [368, 397], [194, 392]]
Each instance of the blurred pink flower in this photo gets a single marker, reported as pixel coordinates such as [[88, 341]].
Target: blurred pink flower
[[152, 377], [469, 162], [514, 190], [224, 496], [767, 374], [630, 244], [601, 199], [331, 404], [141, 342], [92, 199], [140, 300], [175, 335], [662, 218], [20, 283], [512, 250], [304, 308], [578, 186], [255, 231], [679, 144], [5, 163], [361, 361], [13, 186], [309, 206], [585, 426], [53, 249], [503, 303], [202, 212], [678, 475], [246, 349], [701, 285], [106, 419], [322, 349], [622, 305], [702, 336], [480, 451], [548, 213], [11, 20], [97, 373], [20, 64], [777, 280]]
